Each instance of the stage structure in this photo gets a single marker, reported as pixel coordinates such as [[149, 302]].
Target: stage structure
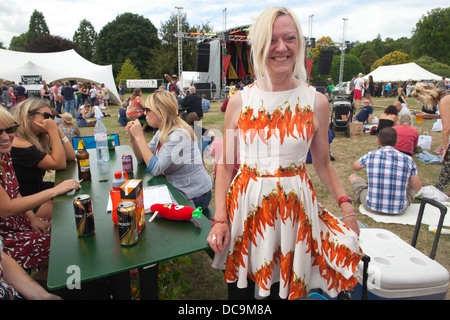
[[230, 52], [226, 54]]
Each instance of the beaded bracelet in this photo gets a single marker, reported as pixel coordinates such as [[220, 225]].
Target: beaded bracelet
[[214, 222]]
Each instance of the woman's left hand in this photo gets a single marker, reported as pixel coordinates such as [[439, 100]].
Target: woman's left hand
[[351, 221], [40, 226], [48, 125]]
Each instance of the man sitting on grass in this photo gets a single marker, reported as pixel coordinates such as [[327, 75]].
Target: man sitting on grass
[[392, 177], [365, 115]]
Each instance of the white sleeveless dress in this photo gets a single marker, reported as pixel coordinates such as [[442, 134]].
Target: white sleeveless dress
[[279, 232]]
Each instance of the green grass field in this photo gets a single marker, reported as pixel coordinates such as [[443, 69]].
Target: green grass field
[[207, 283]]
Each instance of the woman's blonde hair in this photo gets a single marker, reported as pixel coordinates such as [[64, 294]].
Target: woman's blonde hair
[[6, 117], [428, 94], [22, 116], [165, 106], [260, 37]]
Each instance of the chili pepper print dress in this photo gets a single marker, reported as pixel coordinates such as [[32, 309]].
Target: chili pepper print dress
[[279, 231]]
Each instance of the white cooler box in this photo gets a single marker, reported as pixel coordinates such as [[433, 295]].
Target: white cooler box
[[397, 270]]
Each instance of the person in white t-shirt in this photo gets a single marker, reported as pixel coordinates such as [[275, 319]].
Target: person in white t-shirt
[[359, 85]]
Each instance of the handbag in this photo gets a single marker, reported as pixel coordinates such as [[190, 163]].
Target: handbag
[[425, 141]]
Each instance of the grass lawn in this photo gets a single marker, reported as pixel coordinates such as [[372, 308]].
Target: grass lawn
[[207, 283]]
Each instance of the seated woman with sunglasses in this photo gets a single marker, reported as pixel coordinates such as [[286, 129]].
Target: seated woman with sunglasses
[[26, 238], [39, 146], [172, 151]]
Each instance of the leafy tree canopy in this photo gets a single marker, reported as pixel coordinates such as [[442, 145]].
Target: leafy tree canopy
[[85, 38], [49, 43], [128, 71], [434, 66], [129, 36], [392, 58], [432, 36], [37, 26]]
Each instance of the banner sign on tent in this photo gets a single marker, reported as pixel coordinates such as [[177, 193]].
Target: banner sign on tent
[[142, 83], [31, 79]]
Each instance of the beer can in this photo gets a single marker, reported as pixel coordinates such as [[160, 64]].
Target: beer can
[[127, 163], [84, 216], [126, 221]]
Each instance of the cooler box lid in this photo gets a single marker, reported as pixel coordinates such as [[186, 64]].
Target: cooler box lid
[[396, 265]]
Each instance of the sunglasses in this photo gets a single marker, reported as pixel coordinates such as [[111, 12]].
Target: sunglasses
[[46, 115], [9, 130]]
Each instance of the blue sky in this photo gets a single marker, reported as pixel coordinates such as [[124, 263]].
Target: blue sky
[[366, 19]]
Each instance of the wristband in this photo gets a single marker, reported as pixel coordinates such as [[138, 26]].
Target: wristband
[[214, 222], [64, 140], [344, 199], [349, 215]]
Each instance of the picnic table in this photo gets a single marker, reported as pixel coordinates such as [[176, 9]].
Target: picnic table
[[101, 255]]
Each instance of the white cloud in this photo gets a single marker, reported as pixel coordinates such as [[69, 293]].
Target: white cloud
[[365, 19]]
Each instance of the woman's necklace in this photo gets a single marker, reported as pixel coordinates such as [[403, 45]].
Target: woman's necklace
[[292, 86]]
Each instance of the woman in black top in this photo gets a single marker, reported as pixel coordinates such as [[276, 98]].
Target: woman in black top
[[388, 118], [370, 90], [39, 146]]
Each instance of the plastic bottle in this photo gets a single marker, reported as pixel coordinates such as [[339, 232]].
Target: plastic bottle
[[101, 141], [84, 171], [120, 178]]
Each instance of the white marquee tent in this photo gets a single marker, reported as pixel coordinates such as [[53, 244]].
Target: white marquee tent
[[61, 66], [402, 72]]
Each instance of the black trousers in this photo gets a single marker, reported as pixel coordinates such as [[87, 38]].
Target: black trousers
[[248, 293]]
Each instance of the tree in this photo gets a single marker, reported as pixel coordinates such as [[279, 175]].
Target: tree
[[392, 58], [129, 36], [431, 36], [168, 61], [85, 38], [367, 58], [19, 43], [434, 66], [352, 66], [128, 71], [37, 26], [48, 43]]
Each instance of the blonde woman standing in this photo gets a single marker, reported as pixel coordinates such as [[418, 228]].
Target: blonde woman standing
[[39, 146], [270, 232]]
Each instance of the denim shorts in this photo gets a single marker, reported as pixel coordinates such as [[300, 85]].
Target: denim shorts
[[203, 200]]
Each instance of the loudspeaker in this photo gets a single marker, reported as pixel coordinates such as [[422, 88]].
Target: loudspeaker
[[321, 86], [203, 88], [202, 64], [326, 57]]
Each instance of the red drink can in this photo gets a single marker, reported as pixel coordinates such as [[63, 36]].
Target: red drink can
[[127, 163]]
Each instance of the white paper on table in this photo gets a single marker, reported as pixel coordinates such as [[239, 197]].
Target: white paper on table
[[152, 195], [156, 194]]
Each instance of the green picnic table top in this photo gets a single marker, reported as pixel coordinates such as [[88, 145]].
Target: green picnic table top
[[101, 255]]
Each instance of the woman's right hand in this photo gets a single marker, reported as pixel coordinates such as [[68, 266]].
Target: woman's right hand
[[66, 186]]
